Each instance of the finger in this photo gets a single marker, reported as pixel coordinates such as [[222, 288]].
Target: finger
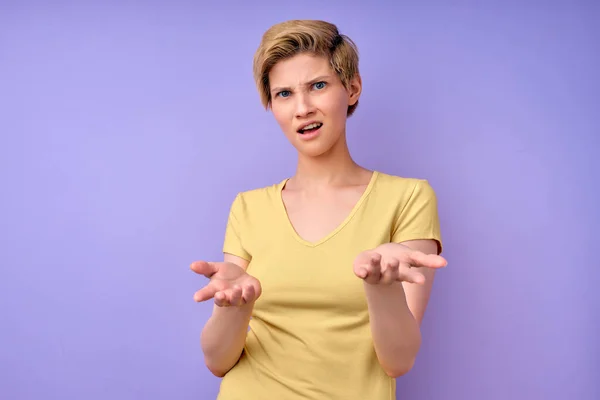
[[205, 268], [207, 292], [420, 259], [362, 272], [366, 257], [389, 272], [221, 299], [410, 275], [235, 296], [363, 261], [248, 294], [375, 259], [374, 269]]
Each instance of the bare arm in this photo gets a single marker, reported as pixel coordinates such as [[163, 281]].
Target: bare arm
[[396, 312], [224, 335]]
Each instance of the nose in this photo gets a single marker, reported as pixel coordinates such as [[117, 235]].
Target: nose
[[304, 105]]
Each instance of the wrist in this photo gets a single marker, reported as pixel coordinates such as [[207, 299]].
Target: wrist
[[380, 294], [381, 289], [386, 248], [234, 311]]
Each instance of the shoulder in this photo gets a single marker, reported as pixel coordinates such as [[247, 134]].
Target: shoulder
[[403, 189], [415, 209], [257, 199]]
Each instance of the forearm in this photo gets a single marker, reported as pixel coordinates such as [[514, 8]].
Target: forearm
[[396, 333], [224, 336]]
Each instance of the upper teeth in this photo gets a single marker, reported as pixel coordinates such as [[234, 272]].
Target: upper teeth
[[311, 126]]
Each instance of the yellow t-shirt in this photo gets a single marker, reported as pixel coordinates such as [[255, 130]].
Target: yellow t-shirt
[[309, 335]]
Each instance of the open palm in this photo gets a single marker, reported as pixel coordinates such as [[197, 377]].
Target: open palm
[[229, 285], [394, 262]]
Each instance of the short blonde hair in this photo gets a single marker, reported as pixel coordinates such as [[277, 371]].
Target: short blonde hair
[[286, 39]]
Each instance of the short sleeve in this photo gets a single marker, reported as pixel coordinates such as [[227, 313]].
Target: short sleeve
[[233, 243], [418, 217]]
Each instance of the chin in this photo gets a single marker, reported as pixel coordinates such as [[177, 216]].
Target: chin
[[314, 149], [312, 153]]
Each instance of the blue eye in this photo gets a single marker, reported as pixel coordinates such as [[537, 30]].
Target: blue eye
[[320, 85], [284, 93]]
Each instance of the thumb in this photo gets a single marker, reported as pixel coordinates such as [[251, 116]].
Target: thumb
[[205, 268]]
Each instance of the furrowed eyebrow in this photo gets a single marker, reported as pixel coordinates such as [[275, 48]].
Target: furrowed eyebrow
[[311, 82], [279, 89], [319, 79]]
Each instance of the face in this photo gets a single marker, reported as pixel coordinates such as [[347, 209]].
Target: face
[[310, 103]]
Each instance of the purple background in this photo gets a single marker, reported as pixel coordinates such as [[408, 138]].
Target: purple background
[[127, 129]]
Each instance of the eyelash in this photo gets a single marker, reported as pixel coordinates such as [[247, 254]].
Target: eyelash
[[316, 83], [324, 84]]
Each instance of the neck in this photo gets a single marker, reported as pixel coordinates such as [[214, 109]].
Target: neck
[[333, 168]]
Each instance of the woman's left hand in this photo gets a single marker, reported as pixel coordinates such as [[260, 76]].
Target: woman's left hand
[[393, 262]]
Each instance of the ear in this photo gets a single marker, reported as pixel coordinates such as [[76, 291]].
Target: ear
[[354, 89]]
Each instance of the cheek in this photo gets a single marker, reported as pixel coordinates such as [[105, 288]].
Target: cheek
[[278, 113], [337, 104], [283, 118]]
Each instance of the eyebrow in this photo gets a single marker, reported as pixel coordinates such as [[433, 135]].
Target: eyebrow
[[312, 81]]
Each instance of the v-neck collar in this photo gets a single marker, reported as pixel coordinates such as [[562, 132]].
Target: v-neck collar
[[335, 231]]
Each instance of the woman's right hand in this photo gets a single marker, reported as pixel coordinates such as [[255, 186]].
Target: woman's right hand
[[229, 285]]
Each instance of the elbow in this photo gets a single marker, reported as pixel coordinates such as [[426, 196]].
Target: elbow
[[400, 369], [214, 364], [403, 362], [220, 364], [217, 370], [219, 373], [212, 361]]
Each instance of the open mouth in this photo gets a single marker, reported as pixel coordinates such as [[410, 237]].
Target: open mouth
[[310, 128]]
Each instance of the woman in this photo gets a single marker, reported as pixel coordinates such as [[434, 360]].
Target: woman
[[317, 296]]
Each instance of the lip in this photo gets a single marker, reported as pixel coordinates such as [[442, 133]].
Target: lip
[[307, 124], [310, 135]]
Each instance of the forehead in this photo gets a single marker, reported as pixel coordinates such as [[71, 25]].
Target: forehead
[[298, 70]]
